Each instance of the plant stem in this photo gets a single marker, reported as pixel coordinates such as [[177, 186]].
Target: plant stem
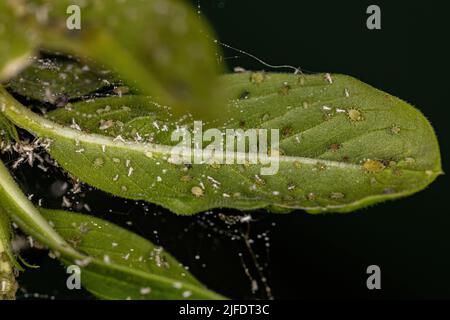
[[8, 284], [27, 217]]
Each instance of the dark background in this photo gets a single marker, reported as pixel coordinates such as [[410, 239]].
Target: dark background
[[321, 256]]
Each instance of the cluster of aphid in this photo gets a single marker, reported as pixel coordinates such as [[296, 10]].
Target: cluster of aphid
[[29, 152]]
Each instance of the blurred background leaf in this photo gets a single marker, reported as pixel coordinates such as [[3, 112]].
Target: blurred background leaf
[[57, 80], [16, 43], [161, 46]]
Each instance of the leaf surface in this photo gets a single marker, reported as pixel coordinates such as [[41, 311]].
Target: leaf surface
[[343, 145], [8, 132], [58, 80], [124, 265]]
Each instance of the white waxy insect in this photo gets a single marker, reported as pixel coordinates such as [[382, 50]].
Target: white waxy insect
[[346, 92], [213, 180], [43, 168], [66, 203], [145, 290], [138, 137], [177, 285], [74, 125], [83, 262]]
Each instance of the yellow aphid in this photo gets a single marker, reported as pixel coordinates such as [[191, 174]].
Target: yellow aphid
[[197, 191], [355, 115], [257, 77], [373, 166]]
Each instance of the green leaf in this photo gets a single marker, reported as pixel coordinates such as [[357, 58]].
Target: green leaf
[[115, 263], [146, 271], [159, 46], [16, 43], [344, 145], [8, 132], [8, 285], [58, 80]]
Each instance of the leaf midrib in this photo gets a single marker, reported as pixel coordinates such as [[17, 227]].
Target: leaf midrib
[[25, 118], [37, 124]]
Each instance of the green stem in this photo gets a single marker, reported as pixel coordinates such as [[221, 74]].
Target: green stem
[[8, 285]]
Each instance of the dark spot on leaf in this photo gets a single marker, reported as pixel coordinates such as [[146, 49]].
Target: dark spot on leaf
[[62, 101], [287, 131], [74, 241], [320, 166], [244, 95], [334, 147]]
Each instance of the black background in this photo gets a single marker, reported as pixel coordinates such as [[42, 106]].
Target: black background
[[322, 256]]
